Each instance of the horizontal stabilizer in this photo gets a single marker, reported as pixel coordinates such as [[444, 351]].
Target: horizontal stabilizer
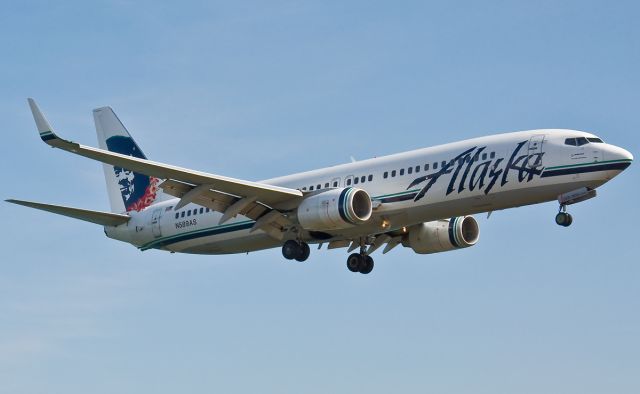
[[97, 217]]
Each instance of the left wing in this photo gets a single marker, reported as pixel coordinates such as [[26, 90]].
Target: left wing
[[214, 191], [97, 217]]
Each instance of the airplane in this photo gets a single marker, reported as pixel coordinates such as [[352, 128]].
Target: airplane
[[422, 199]]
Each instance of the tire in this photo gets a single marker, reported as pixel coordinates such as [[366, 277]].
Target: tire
[[354, 261], [290, 249], [569, 220], [367, 267], [303, 252], [562, 219]]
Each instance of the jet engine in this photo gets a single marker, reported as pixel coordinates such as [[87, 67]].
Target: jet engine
[[442, 235], [334, 209]]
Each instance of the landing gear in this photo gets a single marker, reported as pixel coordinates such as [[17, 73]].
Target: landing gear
[[360, 262], [563, 218], [294, 250]]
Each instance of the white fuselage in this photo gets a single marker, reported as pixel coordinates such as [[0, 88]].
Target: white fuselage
[[477, 175]]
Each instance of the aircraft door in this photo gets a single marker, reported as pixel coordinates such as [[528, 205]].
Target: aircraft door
[[155, 222], [535, 151]]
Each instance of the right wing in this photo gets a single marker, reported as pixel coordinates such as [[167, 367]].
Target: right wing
[[223, 194], [267, 194]]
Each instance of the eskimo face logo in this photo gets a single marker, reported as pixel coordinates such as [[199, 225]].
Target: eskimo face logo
[[126, 182], [468, 172], [138, 190]]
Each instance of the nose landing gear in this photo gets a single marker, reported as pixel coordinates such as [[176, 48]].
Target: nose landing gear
[[563, 218]]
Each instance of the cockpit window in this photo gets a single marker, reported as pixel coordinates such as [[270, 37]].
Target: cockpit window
[[579, 141], [595, 140]]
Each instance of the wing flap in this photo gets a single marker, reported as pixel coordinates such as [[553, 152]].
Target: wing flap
[[97, 217], [220, 202]]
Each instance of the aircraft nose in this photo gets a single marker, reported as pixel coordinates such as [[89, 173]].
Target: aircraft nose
[[622, 154], [619, 158]]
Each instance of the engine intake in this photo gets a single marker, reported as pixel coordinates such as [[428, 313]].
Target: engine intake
[[443, 235], [335, 209]]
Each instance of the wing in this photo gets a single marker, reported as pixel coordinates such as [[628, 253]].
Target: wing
[[223, 194], [97, 217]]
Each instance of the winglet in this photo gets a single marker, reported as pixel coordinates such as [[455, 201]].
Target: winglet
[[44, 128]]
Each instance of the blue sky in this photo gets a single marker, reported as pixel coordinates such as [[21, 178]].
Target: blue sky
[[259, 89]]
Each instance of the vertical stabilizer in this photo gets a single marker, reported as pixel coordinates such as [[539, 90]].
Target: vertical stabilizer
[[128, 190]]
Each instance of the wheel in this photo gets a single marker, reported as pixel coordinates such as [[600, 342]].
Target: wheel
[[291, 249], [303, 252], [563, 219], [367, 266], [354, 261]]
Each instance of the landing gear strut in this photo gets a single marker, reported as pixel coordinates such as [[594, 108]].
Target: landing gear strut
[[294, 250], [360, 262], [563, 218]]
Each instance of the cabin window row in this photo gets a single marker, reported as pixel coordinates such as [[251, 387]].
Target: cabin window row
[[192, 212], [361, 179], [336, 183], [426, 167]]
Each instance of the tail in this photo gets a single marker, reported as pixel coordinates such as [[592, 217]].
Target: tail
[[128, 190]]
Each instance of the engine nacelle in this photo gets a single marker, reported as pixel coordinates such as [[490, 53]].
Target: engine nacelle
[[335, 209], [443, 235]]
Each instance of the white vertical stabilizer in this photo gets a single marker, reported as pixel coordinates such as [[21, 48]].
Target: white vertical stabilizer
[[128, 190]]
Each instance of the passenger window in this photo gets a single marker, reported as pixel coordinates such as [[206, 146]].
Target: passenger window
[[426, 167], [435, 165], [335, 184], [370, 178], [492, 155], [393, 173], [177, 215], [401, 171], [484, 156], [195, 212], [348, 181], [201, 211], [356, 180], [310, 187], [385, 175], [319, 187], [304, 188], [581, 141], [409, 170], [417, 169], [362, 179], [570, 141], [444, 163], [182, 214], [326, 185], [189, 213], [207, 210]]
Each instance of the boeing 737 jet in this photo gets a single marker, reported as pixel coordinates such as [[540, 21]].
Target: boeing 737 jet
[[420, 199]]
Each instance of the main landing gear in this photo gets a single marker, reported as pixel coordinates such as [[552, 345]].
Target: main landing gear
[[294, 250], [563, 218], [360, 262]]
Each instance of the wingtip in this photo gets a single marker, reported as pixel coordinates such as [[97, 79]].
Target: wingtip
[[44, 128]]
